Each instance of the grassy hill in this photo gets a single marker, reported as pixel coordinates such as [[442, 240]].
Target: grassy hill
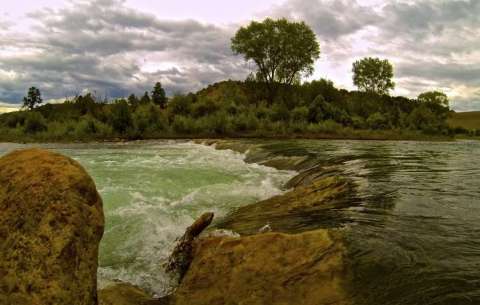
[[467, 120]]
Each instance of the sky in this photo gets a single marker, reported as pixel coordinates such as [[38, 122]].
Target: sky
[[116, 47]]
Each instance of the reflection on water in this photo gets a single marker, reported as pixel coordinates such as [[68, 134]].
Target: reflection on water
[[414, 238]]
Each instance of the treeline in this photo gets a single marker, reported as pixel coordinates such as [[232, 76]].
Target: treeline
[[232, 109]]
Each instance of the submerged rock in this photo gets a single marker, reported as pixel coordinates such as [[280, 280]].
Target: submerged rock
[[291, 212], [270, 268], [51, 223]]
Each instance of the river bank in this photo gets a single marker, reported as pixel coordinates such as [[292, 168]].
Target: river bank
[[341, 134]]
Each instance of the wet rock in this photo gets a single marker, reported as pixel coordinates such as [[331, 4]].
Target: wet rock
[[123, 294], [182, 255], [127, 294], [270, 268], [51, 223], [290, 212]]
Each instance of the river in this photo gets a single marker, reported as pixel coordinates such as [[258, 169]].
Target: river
[[412, 233]]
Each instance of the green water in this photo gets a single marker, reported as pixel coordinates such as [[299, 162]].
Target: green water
[[152, 191]]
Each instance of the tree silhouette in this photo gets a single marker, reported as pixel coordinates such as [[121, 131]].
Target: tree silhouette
[[32, 99]]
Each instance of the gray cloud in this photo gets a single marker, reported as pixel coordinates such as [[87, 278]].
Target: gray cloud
[[432, 43], [105, 46], [329, 19], [101, 46]]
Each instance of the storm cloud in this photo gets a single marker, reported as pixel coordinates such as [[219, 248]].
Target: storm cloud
[[107, 47]]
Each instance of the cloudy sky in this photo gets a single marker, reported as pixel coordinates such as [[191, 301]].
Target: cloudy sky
[[115, 47]]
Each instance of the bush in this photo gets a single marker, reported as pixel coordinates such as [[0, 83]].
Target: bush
[[279, 112], [35, 122], [181, 104], [121, 119], [358, 122], [15, 119], [377, 121], [183, 124], [300, 114], [203, 107]]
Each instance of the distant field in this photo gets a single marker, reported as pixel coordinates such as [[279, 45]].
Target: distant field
[[467, 120]]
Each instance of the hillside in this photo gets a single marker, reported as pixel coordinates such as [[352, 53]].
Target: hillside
[[467, 120]]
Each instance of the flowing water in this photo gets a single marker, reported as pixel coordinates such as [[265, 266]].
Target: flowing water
[[412, 234], [153, 191]]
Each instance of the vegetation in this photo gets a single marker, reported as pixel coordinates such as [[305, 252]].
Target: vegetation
[[32, 99], [273, 103], [232, 109], [465, 123], [373, 75], [282, 50], [435, 97]]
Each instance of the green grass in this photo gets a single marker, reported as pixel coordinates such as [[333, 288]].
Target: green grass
[[467, 120]]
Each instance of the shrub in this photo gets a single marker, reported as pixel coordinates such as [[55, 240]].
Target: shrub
[[35, 122], [121, 119], [377, 121], [183, 124], [300, 114], [280, 112]]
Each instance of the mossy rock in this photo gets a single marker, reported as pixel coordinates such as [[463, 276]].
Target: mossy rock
[[270, 268], [51, 223]]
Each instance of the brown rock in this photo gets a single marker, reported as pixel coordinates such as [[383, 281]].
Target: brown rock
[[51, 222], [127, 294], [182, 255], [271, 268], [287, 212]]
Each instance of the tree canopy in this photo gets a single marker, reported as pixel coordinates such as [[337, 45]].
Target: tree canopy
[[282, 50], [435, 97], [158, 95], [32, 99], [373, 75]]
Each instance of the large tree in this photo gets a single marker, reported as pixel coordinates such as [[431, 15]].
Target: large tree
[[435, 97], [32, 99], [158, 95], [282, 50], [373, 75]]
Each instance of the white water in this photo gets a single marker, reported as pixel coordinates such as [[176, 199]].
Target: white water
[[152, 191]]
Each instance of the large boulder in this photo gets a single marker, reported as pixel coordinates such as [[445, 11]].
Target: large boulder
[[51, 223], [270, 268]]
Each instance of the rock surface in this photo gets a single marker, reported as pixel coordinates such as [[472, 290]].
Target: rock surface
[[182, 255], [291, 211], [127, 294], [51, 223], [270, 268]]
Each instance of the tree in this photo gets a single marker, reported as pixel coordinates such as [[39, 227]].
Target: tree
[[133, 100], [373, 75], [158, 95], [121, 119], [281, 49], [434, 97], [32, 99], [145, 98]]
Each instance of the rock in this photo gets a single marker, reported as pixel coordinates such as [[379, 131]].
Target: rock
[[182, 255], [270, 268], [294, 211], [51, 223], [127, 294], [122, 294]]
